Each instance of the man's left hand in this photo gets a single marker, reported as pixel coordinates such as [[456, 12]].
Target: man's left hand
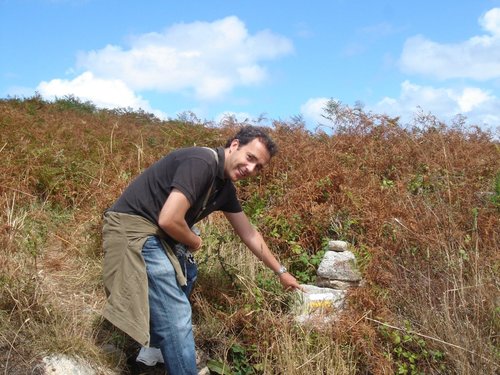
[[289, 282]]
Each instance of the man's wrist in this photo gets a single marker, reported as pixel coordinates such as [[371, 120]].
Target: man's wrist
[[281, 270]]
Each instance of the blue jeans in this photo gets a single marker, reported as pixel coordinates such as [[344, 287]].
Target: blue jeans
[[169, 308]]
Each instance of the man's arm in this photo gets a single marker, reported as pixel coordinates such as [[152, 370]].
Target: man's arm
[[254, 241], [172, 220]]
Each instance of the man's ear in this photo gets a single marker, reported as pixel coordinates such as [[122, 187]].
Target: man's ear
[[235, 144]]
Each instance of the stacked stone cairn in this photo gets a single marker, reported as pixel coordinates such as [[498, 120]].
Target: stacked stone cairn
[[336, 274]]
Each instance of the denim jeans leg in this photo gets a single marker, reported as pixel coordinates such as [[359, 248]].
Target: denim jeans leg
[[170, 312]]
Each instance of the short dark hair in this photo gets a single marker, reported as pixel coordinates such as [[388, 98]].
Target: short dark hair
[[248, 133]]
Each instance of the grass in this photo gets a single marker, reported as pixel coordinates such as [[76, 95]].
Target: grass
[[419, 206]]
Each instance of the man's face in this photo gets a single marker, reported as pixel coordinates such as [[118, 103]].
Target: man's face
[[245, 161]]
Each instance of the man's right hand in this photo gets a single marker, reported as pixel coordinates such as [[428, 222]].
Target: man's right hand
[[198, 247]]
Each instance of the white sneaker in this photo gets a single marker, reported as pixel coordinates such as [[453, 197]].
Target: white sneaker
[[150, 356]]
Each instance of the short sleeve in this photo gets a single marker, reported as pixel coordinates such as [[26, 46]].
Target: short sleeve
[[193, 178]]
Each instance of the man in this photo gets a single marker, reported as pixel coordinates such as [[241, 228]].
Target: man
[[146, 281]]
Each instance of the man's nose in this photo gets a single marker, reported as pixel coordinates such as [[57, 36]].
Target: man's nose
[[252, 167]]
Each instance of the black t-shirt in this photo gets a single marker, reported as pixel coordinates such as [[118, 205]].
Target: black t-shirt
[[190, 170]]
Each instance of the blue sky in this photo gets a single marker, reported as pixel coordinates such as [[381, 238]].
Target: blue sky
[[256, 58]]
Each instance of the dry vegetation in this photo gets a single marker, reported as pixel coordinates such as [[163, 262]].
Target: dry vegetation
[[420, 206]]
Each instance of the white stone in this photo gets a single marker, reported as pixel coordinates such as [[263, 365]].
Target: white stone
[[317, 304], [339, 266], [338, 246], [59, 364]]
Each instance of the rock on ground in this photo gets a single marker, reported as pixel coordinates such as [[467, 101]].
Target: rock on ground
[[339, 266], [60, 364]]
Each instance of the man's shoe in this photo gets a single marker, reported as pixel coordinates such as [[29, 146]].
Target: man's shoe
[[150, 356]]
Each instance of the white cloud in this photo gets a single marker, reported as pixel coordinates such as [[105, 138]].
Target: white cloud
[[313, 109], [208, 58], [104, 93], [471, 98], [490, 21], [477, 58], [251, 74], [475, 103]]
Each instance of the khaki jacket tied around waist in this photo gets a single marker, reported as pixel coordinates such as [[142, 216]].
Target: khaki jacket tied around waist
[[124, 272]]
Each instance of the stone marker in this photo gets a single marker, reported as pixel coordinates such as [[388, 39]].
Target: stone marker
[[338, 246], [339, 266], [318, 304], [336, 274]]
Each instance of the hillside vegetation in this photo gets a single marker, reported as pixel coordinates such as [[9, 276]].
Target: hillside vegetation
[[420, 207]]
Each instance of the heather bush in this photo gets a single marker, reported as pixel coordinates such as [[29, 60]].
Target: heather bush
[[419, 204]]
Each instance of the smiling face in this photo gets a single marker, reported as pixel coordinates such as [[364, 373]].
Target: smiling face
[[245, 161]]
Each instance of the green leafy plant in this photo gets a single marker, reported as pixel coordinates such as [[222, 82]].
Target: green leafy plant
[[387, 183], [410, 352], [255, 207], [219, 367], [344, 227], [284, 228], [363, 256], [72, 103], [324, 185], [240, 362], [496, 193], [304, 265]]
